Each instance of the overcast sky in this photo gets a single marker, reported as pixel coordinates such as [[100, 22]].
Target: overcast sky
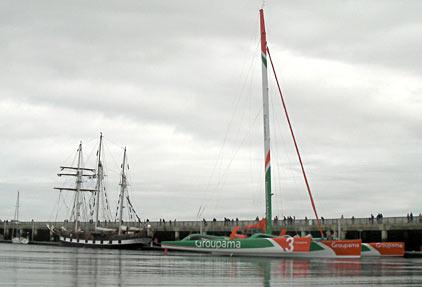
[[178, 83]]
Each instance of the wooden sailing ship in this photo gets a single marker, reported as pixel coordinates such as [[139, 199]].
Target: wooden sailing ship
[[121, 237]]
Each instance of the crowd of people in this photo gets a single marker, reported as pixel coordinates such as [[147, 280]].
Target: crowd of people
[[379, 218], [290, 220], [411, 219]]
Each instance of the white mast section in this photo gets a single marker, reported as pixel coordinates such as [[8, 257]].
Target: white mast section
[[266, 121], [17, 209], [123, 185], [100, 176], [79, 175]]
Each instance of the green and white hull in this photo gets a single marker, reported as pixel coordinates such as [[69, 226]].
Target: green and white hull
[[261, 245], [266, 244]]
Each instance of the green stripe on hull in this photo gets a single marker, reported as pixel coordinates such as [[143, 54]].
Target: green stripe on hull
[[222, 244], [315, 247]]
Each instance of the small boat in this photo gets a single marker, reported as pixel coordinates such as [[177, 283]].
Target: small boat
[[123, 237], [17, 237], [383, 249], [265, 243]]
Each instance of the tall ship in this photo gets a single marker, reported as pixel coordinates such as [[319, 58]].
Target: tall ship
[[17, 233], [265, 243], [86, 235]]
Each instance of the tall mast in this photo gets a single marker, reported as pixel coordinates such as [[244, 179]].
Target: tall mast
[[78, 186], [78, 173], [100, 175], [17, 209], [123, 185], [266, 113]]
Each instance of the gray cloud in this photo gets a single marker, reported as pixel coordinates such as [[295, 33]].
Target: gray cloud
[[173, 81]]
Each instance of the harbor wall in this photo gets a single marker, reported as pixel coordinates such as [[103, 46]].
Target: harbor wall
[[367, 229]]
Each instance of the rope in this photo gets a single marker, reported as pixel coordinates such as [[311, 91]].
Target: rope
[[296, 146]]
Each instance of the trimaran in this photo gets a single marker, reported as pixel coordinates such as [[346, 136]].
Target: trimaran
[[267, 244]]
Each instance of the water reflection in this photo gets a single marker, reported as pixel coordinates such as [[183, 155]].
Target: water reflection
[[294, 270], [52, 266]]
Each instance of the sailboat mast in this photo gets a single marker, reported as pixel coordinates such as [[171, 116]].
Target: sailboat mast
[[123, 186], [17, 209], [100, 175], [266, 114], [78, 186]]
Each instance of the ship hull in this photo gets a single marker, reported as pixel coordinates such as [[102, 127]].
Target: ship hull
[[271, 247], [129, 243], [20, 240], [376, 249]]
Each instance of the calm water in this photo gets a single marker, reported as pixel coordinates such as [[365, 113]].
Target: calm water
[[58, 266]]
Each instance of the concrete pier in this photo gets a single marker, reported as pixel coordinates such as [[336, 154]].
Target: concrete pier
[[369, 230]]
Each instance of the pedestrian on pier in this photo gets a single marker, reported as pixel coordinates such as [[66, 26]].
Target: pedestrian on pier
[[409, 217], [379, 217]]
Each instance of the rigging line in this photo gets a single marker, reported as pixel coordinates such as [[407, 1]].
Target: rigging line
[[239, 130], [222, 182], [91, 154], [58, 204], [83, 209], [295, 143], [132, 208], [115, 165], [277, 161], [219, 160], [69, 157], [280, 141]]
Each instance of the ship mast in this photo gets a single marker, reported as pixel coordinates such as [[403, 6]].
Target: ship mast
[[100, 176], [17, 209], [16, 218], [266, 114], [78, 189], [123, 186], [79, 174]]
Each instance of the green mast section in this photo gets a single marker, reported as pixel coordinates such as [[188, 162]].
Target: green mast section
[[266, 113]]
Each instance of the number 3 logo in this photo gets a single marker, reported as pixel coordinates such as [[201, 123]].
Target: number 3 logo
[[290, 242]]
